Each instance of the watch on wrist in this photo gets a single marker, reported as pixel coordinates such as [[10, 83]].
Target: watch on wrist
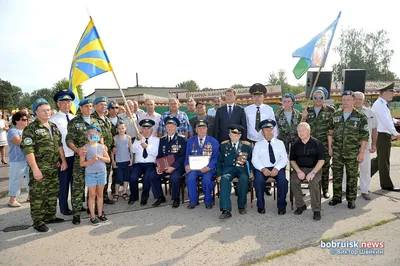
[[313, 173]]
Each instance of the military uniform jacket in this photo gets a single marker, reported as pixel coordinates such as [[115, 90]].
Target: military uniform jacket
[[210, 148], [348, 134], [106, 130], [230, 159], [319, 124], [77, 131], [37, 139], [288, 133], [177, 147]]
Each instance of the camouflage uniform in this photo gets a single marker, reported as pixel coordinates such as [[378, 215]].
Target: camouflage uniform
[[107, 129], [288, 133], [44, 193], [319, 130], [346, 145], [78, 135]]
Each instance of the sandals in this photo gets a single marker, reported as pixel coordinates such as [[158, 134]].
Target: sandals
[[115, 198], [14, 204], [125, 196]]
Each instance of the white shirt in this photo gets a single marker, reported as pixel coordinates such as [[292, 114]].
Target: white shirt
[[60, 119], [266, 112], [260, 158], [372, 122], [114, 120], [232, 105], [385, 120], [212, 111], [152, 150], [130, 128], [155, 117]]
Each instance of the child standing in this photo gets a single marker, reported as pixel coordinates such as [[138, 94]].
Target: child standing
[[122, 160], [95, 172]]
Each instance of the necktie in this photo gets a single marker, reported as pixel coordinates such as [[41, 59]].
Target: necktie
[[170, 138], [258, 119], [67, 118], [234, 147], [201, 143], [229, 111], [271, 153], [144, 150]]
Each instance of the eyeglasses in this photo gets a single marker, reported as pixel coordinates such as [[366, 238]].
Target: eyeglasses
[[24, 119], [114, 107], [318, 97]]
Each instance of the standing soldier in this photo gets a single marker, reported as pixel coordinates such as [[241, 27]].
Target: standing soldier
[[100, 104], [43, 149], [347, 140], [76, 139], [317, 117]]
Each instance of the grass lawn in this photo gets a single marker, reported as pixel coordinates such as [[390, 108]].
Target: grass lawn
[[396, 144]]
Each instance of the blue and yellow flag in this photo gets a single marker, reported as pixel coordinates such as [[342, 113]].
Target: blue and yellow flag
[[90, 59]]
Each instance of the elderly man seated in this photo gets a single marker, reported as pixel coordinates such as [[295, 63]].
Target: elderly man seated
[[307, 158]]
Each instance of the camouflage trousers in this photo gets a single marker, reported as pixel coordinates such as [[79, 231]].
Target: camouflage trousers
[[43, 196], [325, 173], [338, 161], [78, 187]]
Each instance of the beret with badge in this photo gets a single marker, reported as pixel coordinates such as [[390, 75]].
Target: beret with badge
[[111, 103], [100, 100], [85, 101], [289, 95], [37, 103], [92, 127], [348, 93]]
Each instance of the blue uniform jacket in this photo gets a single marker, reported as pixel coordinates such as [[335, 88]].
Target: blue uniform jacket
[[177, 147], [210, 148]]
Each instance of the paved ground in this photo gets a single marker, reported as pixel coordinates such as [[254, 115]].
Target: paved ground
[[163, 236]]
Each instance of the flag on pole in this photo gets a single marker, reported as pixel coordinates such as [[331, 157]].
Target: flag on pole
[[90, 59], [315, 52]]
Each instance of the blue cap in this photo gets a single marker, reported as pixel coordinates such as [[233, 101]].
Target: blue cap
[[38, 103], [323, 90], [289, 95], [64, 95], [85, 101], [267, 123], [201, 123], [100, 99], [110, 104], [348, 92], [147, 123], [92, 127], [172, 120]]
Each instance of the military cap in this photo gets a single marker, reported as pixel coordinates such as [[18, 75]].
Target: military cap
[[64, 95], [348, 92], [92, 127], [85, 101], [267, 123], [112, 102], [257, 89], [323, 90], [236, 129], [100, 99], [147, 123], [289, 95], [201, 123], [172, 120], [389, 88], [38, 103]]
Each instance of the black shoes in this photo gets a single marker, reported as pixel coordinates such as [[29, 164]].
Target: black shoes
[[395, 189], [300, 210], [130, 202], [317, 216], [83, 209], [335, 202], [143, 202], [351, 205], [68, 212], [108, 201], [225, 214], [103, 218], [159, 201], [282, 211], [242, 211], [192, 206], [41, 228], [55, 220], [326, 195], [209, 206], [268, 192], [176, 203], [76, 219], [261, 210], [94, 221]]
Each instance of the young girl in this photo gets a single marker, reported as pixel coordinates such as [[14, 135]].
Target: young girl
[[123, 160], [95, 172]]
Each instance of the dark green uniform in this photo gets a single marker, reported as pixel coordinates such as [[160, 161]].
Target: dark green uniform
[[346, 145], [78, 135], [233, 163], [44, 143], [319, 130], [288, 132], [107, 129]]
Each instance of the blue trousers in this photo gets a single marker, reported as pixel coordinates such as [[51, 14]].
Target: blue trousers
[[282, 185], [174, 180], [65, 178], [206, 184], [226, 188], [139, 169]]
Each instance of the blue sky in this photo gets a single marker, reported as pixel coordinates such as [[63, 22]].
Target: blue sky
[[215, 43]]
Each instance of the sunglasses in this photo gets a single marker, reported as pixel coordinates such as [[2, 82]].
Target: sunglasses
[[24, 119], [318, 97], [114, 107]]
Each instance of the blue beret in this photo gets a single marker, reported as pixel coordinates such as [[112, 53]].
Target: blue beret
[[147, 123], [267, 123], [100, 99], [172, 120], [289, 95], [85, 101], [236, 129], [38, 103], [110, 104], [91, 127], [64, 95], [351, 93], [257, 89], [323, 90]]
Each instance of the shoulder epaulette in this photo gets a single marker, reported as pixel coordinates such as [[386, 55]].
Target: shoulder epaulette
[[225, 142], [182, 136], [244, 142]]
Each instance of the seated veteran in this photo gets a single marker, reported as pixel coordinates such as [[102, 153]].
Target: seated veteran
[[234, 162], [170, 144], [269, 160], [307, 157], [206, 148], [145, 149]]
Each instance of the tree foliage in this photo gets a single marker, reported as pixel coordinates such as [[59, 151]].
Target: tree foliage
[[361, 50], [279, 78], [6, 100], [237, 86], [190, 85]]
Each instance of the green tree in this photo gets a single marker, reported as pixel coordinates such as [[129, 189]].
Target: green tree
[[237, 86], [25, 101], [278, 78], [189, 85], [44, 93], [361, 50], [64, 85], [16, 95], [6, 100]]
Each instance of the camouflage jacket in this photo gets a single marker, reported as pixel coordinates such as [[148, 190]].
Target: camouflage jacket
[[288, 133], [229, 158], [106, 130], [348, 134], [77, 131], [319, 123], [36, 139]]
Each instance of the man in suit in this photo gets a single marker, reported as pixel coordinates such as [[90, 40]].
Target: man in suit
[[201, 145], [174, 144], [229, 113], [234, 161]]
